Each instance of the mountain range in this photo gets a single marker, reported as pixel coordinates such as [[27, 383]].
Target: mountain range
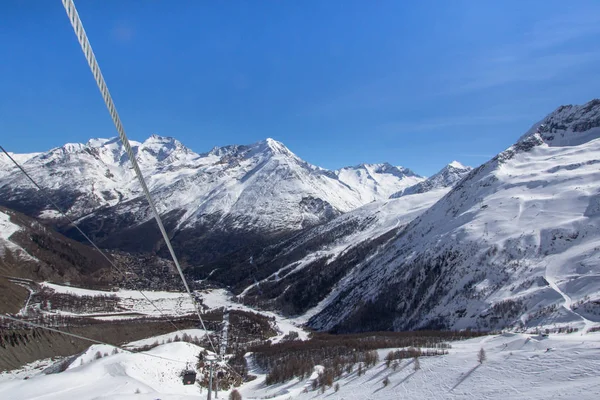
[[514, 242]]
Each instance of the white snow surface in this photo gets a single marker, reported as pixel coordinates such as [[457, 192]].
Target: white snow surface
[[447, 177], [7, 228], [377, 181], [114, 377], [518, 366]]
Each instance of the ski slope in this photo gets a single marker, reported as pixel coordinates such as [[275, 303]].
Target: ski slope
[[7, 228], [118, 376], [518, 366]]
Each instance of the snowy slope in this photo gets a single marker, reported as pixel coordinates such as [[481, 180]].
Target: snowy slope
[[516, 242], [32, 251], [119, 376], [376, 181], [449, 176], [20, 158], [7, 228], [284, 277], [518, 366]]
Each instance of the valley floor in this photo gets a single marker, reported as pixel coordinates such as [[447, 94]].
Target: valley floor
[[518, 366]]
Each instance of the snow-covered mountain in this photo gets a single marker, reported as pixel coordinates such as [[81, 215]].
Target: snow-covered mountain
[[296, 274], [445, 178], [259, 190], [374, 181], [515, 243]]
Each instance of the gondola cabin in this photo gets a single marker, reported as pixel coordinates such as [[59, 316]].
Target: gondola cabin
[[189, 377]]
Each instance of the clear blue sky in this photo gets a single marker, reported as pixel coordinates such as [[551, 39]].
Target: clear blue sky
[[417, 84]]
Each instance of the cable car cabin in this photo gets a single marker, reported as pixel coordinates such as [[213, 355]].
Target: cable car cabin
[[189, 377]]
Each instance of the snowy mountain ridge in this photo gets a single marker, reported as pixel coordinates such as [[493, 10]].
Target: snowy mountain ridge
[[262, 189], [515, 243], [445, 178]]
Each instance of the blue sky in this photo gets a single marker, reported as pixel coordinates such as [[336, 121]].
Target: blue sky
[[417, 84]]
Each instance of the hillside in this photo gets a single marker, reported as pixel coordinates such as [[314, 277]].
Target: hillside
[[30, 250], [515, 243]]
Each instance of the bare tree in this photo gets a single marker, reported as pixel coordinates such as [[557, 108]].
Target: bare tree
[[235, 395], [481, 357]]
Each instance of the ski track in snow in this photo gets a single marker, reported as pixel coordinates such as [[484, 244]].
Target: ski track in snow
[[568, 302]]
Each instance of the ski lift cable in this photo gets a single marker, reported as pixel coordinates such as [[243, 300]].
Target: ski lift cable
[[85, 338], [95, 69], [60, 210]]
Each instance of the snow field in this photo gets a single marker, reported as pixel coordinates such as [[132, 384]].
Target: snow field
[[518, 366], [170, 303], [118, 376]]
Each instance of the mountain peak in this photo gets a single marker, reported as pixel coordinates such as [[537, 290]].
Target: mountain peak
[[68, 148], [383, 168], [568, 125], [154, 138], [458, 165], [274, 146], [446, 177], [99, 142]]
